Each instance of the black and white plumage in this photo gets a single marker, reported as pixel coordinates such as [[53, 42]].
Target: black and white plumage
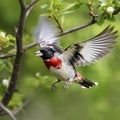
[[45, 33], [62, 63], [92, 50]]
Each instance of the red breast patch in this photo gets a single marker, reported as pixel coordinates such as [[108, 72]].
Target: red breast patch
[[54, 62]]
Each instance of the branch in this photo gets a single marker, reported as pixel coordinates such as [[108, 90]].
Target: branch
[[16, 111], [22, 4], [6, 110], [25, 104], [59, 25], [4, 56], [32, 4], [77, 28], [18, 59], [116, 11], [30, 46], [93, 21], [19, 54]]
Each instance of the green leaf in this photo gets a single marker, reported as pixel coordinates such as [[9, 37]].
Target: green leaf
[[71, 6], [8, 66], [2, 88], [101, 20], [44, 6], [10, 37], [68, 6], [102, 1], [67, 12], [12, 50], [111, 18], [6, 41], [3, 40], [1, 64], [62, 19], [16, 101]]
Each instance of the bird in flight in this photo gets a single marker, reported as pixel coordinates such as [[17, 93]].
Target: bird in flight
[[63, 63]]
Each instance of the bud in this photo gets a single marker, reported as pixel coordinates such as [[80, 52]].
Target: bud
[[90, 3], [37, 74], [2, 34], [103, 4], [5, 82], [110, 9]]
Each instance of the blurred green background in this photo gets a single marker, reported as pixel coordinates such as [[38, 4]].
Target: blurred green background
[[98, 103]]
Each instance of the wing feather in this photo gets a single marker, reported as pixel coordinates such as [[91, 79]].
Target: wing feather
[[45, 33], [90, 51]]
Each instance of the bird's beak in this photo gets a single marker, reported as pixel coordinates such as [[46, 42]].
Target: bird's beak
[[38, 53]]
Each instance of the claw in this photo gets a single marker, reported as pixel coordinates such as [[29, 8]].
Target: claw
[[54, 87], [66, 84]]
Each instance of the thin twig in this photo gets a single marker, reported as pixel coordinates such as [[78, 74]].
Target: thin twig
[[9, 112], [16, 111], [4, 56], [22, 4], [59, 25], [29, 7], [32, 4], [77, 28], [91, 12], [23, 107], [30, 46]]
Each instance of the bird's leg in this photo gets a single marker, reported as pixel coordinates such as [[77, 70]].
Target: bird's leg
[[54, 85], [67, 83]]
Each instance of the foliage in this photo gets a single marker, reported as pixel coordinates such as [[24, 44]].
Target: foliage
[[6, 42], [60, 8], [35, 80]]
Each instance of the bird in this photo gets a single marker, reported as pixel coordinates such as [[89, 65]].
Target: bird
[[62, 63]]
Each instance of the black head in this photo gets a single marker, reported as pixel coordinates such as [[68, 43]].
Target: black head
[[45, 53]]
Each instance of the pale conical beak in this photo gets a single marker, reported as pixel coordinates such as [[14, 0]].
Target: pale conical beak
[[38, 53]]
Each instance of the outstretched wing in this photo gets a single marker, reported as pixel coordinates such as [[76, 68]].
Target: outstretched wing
[[90, 51], [45, 33]]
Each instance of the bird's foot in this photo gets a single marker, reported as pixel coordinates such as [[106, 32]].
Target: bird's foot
[[66, 84], [53, 87]]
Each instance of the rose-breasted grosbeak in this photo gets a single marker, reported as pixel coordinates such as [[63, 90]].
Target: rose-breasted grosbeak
[[62, 63]]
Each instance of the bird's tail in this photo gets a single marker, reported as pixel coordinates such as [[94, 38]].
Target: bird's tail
[[85, 83]]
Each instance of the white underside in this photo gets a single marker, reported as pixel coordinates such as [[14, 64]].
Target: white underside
[[65, 73]]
